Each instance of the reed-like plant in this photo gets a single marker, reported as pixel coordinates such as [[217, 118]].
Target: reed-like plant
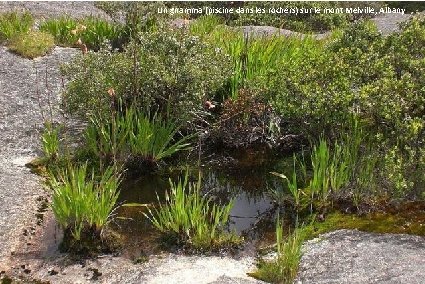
[[92, 31], [13, 23], [320, 161], [205, 24], [258, 56], [292, 186], [50, 141], [60, 29], [83, 203], [99, 32], [132, 132], [288, 252], [193, 219], [107, 137], [285, 267], [153, 138]]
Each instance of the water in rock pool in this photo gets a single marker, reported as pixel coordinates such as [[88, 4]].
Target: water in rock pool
[[245, 179]]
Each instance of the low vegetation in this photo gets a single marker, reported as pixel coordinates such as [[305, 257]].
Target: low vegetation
[[13, 24], [193, 220], [91, 31], [288, 255], [83, 203], [32, 44], [355, 95], [133, 138]]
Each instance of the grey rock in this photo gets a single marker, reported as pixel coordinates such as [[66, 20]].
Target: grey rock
[[347, 256], [21, 120], [44, 9]]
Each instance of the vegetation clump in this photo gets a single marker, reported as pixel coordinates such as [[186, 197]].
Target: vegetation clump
[[13, 24], [133, 139], [83, 203], [32, 44], [284, 268], [171, 72], [93, 32], [193, 220]]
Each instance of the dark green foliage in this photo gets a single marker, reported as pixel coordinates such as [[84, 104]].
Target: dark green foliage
[[171, 72], [301, 22], [360, 72]]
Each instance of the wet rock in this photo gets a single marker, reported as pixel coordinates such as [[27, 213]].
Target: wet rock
[[347, 256]]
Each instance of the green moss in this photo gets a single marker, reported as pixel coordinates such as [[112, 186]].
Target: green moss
[[409, 219], [32, 44]]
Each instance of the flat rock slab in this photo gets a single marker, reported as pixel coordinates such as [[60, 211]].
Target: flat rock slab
[[24, 95], [54, 9], [347, 256], [162, 268]]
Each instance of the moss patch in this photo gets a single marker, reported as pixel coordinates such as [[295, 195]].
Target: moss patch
[[408, 218], [32, 44]]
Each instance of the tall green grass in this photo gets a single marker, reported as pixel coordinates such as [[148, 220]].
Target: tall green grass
[[133, 132], [191, 218], [12, 24], [153, 138], [340, 170], [50, 141], [205, 24], [258, 56], [284, 269], [82, 202], [293, 187], [61, 30], [92, 31], [107, 137]]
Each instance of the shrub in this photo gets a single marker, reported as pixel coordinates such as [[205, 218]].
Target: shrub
[[193, 219], [173, 73], [245, 120], [12, 24], [83, 204], [301, 22]]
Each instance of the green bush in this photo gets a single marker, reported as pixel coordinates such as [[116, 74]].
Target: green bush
[[32, 44], [380, 80], [193, 220], [12, 24], [167, 71], [300, 22]]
